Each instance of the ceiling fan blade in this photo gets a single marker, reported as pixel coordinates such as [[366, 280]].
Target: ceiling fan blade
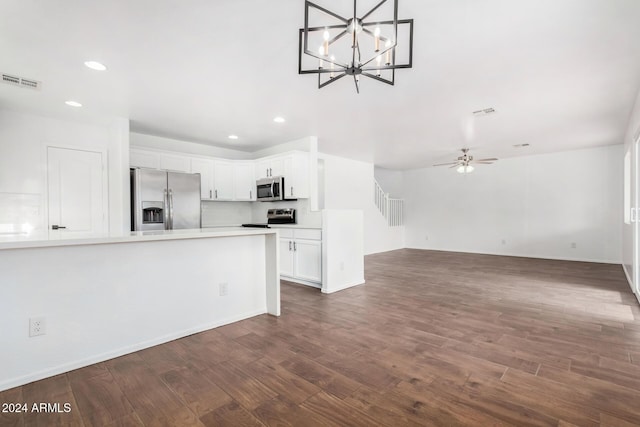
[[454, 166], [446, 164], [482, 163], [487, 160]]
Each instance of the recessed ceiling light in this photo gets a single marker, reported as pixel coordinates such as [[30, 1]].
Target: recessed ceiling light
[[73, 104], [233, 136], [521, 145], [279, 119], [95, 65]]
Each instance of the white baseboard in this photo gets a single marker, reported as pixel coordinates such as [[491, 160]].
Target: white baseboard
[[77, 364], [524, 255], [345, 286], [302, 282]]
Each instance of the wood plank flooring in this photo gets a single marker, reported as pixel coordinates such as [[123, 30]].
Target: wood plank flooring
[[433, 338]]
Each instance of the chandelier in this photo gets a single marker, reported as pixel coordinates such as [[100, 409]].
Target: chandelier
[[333, 46]]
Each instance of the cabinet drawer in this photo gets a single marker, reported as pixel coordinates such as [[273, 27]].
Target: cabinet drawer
[[307, 233], [286, 233]]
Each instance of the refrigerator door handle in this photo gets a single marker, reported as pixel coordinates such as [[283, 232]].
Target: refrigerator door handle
[[166, 210], [171, 208]]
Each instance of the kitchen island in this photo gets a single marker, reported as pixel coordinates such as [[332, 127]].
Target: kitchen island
[[104, 297]]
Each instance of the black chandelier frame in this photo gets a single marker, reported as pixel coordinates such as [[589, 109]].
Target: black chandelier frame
[[354, 68]]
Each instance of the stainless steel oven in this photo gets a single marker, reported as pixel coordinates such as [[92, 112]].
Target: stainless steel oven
[[270, 189]]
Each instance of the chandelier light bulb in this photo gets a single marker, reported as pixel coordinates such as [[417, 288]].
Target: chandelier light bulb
[[325, 45], [387, 45], [376, 39], [321, 52]]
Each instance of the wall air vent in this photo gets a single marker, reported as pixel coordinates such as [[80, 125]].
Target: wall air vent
[[21, 81], [484, 112]]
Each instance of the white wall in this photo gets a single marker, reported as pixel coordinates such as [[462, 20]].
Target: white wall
[[633, 129], [342, 249], [539, 205], [23, 165], [348, 184]]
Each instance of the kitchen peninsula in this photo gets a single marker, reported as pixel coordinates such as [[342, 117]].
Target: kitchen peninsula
[[104, 297]]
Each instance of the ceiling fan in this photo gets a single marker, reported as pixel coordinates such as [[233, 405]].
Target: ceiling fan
[[465, 162]]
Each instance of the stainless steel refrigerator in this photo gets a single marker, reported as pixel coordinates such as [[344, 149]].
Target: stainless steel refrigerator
[[162, 200]]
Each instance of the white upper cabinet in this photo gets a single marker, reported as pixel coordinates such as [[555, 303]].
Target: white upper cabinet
[[222, 180], [175, 163], [277, 166], [296, 175], [205, 168], [262, 168], [227, 180], [244, 181], [144, 159], [269, 167], [294, 167]]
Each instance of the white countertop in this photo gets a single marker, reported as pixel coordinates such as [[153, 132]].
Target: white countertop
[[137, 236], [310, 227]]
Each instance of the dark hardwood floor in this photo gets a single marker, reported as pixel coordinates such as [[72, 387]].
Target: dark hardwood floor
[[433, 338]]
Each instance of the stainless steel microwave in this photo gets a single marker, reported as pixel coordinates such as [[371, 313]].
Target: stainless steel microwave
[[270, 189]]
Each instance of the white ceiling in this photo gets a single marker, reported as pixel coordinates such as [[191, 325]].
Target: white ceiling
[[562, 74]]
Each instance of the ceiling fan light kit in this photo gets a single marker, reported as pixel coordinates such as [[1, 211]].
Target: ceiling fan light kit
[[463, 164], [356, 45]]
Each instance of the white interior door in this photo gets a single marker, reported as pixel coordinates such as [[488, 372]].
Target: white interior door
[[77, 191]]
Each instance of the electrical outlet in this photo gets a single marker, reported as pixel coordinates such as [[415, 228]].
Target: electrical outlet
[[342, 266], [573, 245], [37, 326], [224, 289], [504, 242], [426, 237]]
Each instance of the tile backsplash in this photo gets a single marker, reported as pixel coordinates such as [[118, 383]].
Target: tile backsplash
[[216, 214], [303, 214]]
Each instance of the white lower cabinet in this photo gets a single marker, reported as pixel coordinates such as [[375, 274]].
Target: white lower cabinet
[[308, 260], [286, 257], [301, 256]]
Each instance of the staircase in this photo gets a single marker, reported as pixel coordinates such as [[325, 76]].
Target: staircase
[[391, 209]]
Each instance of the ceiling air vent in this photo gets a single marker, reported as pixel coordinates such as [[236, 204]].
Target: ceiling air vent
[[484, 112], [21, 81]]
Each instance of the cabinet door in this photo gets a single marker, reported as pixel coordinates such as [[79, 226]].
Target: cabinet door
[[290, 182], [144, 159], [296, 175], [262, 169], [175, 163], [244, 182], [277, 166], [308, 260], [205, 168], [286, 257], [223, 180]]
